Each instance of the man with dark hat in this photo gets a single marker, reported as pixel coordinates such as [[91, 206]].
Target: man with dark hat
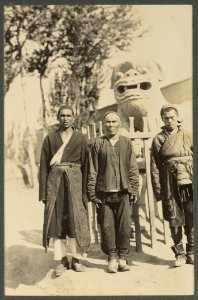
[[171, 174], [112, 184], [62, 187]]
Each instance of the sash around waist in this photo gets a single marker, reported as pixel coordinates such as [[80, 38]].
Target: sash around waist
[[179, 159], [66, 165]]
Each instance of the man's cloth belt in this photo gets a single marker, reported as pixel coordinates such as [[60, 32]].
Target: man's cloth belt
[[67, 164], [182, 166], [116, 196]]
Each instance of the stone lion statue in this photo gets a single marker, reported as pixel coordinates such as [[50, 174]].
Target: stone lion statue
[[137, 93]]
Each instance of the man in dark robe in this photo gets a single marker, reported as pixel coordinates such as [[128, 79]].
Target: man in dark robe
[[62, 187], [112, 184], [171, 173]]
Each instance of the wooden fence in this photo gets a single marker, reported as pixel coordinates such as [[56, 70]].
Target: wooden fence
[[145, 138]]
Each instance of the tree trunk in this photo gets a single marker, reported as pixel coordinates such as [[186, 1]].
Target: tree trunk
[[33, 167], [30, 148], [43, 102]]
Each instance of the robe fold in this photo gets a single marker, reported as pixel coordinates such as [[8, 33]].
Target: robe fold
[[63, 186]]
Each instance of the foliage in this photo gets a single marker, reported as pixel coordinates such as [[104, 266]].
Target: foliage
[[87, 36], [84, 35], [19, 23]]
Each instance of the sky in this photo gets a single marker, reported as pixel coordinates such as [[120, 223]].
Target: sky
[[169, 42], [170, 37]]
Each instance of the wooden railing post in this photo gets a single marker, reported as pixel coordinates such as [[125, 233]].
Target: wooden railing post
[[90, 205], [90, 220], [166, 231], [137, 227], [131, 124], [165, 225], [135, 206], [100, 128], [92, 129], [145, 124], [150, 193], [88, 132], [92, 210]]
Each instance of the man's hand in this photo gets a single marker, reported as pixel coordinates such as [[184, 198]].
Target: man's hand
[[133, 198], [97, 202]]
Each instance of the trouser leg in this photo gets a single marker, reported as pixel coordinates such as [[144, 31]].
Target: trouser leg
[[107, 227], [73, 247], [59, 248], [189, 232], [75, 263], [189, 226], [176, 234], [60, 255], [122, 221], [178, 248], [122, 227]]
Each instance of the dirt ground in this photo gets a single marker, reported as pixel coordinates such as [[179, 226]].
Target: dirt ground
[[30, 271]]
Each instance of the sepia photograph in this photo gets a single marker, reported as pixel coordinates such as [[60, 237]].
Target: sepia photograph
[[98, 150]]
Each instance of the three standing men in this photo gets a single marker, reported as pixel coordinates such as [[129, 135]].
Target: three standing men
[[62, 187], [171, 174], [112, 184]]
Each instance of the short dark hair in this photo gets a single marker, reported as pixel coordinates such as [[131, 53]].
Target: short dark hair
[[167, 108], [65, 107], [111, 112]]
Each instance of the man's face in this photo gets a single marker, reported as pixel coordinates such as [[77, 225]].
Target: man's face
[[65, 118], [170, 119], [112, 124]]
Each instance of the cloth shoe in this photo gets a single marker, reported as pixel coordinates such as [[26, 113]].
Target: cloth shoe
[[65, 262], [179, 255], [112, 266], [62, 267], [190, 254], [180, 260], [123, 265], [190, 259], [77, 266]]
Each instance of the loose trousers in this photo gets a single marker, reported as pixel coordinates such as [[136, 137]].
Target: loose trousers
[[115, 224], [176, 232], [60, 248]]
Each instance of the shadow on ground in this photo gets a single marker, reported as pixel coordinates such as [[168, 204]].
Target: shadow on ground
[[134, 256], [32, 236], [28, 266], [24, 265]]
